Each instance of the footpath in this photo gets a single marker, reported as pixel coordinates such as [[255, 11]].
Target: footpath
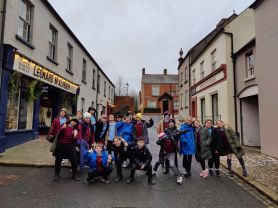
[[262, 169]]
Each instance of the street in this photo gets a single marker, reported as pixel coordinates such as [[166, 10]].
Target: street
[[35, 188]]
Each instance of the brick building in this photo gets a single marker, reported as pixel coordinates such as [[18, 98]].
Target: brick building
[[159, 93], [123, 104]]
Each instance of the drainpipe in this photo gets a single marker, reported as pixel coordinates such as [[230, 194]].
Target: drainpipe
[[234, 76], [97, 89], [2, 39]]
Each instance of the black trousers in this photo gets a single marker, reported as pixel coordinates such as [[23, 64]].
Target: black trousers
[[65, 151], [109, 146], [135, 167], [119, 161], [187, 159], [104, 173], [203, 164], [215, 160]]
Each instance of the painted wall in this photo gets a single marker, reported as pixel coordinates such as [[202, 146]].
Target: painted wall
[[41, 33], [266, 24]]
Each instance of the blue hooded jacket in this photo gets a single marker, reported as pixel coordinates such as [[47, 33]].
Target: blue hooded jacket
[[187, 140], [127, 133], [92, 159], [119, 127]]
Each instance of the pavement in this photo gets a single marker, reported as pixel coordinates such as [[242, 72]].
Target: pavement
[[253, 191]]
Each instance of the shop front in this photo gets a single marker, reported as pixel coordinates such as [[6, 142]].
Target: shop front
[[31, 96]]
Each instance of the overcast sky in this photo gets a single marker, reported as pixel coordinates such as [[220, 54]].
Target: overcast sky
[[125, 35]]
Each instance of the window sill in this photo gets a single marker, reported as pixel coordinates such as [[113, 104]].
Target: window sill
[[83, 81], [250, 78], [24, 42], [68, 71], [53, 61]]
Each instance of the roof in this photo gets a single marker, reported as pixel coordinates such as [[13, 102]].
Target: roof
[[248, 45], [256, 4], [197, 50], [165, 96], [62, 22], [160, 78]]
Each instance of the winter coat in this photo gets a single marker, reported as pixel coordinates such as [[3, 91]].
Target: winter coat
[[145, 126], [205, 140], [55, 127], [234, 142], [92, 159], [187, 140], [128, 133], [83, 148], [119, 127], [99, 127], [141, 156], [86, 132]]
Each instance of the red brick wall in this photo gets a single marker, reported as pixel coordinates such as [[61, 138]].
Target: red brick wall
[[124, 100]]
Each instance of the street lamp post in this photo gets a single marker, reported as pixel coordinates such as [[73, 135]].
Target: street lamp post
[[127, 88]]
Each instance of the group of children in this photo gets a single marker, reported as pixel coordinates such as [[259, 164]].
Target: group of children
[[99, 144]]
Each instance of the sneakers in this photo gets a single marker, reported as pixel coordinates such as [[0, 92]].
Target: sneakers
[[129, 180], [187, 174], [210, 172], [166, 172], [119, 178], [56, 178], [75, 178], [106, 180], [244, 173], [202, 174], [205, 173], [179, 180], [151, 182], [89, 180], [217, 173], [124, 164]]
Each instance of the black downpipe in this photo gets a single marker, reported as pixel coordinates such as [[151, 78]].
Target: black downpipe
[[234, 77], [2, 38]]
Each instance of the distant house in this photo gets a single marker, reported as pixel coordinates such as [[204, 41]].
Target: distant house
[[123, 104], [159, 93]]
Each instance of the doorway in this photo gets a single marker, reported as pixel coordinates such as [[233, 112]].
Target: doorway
[[165, 105]]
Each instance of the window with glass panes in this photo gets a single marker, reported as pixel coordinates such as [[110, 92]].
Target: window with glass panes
[[202, 72], [52, 52], [104, 88], [151, 104], [25, 20], [214, 102], [250, 64], [193, 77], [69, 58], [84, 70], [213, 60], [94, 78], [203, 109], [176, 105], [155, 90]]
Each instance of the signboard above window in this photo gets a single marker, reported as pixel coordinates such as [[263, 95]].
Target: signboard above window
[[38, 72]]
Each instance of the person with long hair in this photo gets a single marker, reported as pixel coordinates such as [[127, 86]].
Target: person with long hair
[[226, 142], [65, 148], [58, 122]]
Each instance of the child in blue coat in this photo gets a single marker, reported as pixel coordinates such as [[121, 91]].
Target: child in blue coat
[[187, 145], [100, 164]]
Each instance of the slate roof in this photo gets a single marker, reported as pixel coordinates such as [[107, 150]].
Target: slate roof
[[160, 78]]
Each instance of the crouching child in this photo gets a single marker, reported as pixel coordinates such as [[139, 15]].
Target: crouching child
[[142, 159], [100, 164], [119, 148]]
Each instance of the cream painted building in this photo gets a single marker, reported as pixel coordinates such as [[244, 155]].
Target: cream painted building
[[39, 47]]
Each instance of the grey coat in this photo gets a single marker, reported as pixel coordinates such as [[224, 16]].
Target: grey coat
[[205, 140]]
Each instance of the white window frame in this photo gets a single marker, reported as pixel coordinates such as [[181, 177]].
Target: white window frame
[[193, 76], [155, 90], [176, 105], [250, 69], [202, 72], [104, 93], [52, 49], [25, 23], [213, 60], [152, 104]]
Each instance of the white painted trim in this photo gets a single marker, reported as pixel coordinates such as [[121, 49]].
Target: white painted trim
[[250, 91]]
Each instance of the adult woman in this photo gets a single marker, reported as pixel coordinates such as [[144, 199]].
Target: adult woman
[[66, 147], [58, 122], [92, 111], [226, 142]]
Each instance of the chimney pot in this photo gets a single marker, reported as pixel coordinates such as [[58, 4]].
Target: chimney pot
[[143, 70]]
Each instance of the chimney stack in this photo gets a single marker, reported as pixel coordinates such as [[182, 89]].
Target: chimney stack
[[165, 71], [143, 70]]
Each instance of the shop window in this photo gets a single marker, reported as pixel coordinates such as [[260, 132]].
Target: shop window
[[20, 109], [25, 21], [52, 51]]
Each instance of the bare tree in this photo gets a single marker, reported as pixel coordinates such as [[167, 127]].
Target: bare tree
[[119, 87], [135, 96]]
